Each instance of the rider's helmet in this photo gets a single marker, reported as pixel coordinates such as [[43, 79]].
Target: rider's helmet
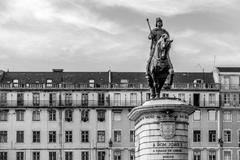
[[158, 19]]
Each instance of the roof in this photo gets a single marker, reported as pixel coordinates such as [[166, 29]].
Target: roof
[[98, 77], [228, 69], [189, 77], [56, 77], [179, 77]]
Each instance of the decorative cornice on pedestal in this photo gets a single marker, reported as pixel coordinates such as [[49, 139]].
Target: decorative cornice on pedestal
[[161, 105]]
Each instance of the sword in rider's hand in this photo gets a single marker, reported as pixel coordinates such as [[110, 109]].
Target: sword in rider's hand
[[149, 25]]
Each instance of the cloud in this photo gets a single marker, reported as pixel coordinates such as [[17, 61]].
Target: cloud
[[93, 35], [47, 12], [201, 47], [168, 8]]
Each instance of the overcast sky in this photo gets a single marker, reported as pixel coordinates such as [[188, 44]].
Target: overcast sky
[[95, 35]]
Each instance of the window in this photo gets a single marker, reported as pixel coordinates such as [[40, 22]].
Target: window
[[212, 135], [3, 99], [68, 136], [85, 99], [49, 83], [20, 99], [85, 155], [20, 136], [227, 136], [226, 99], [3, 115], [212, 99], [239, 138], [181, 96], [196, 136], [212, 115], [117, 136], [36, 136], [101, 155], [84, 115], [117, 155], [85, 136], [68, 99], [133, 99], [165, 95], [52, 115], [117, 99], [238, 116], [52, 155], [101, 136], [20, 156], [52, 137], [68, 115], [3, 136], [124, 83], [196, 155], [132, 136], [227, 155], [131, 155], [36, 99], [36, 115], [36, 155], [20, 115], [68, 156], [227, 116], [101, 99], [101, 115], [148, 96], [212, 155], [53, 100], [91, 83], [3, 155], [235, 100], [117, 116], [197, 115]]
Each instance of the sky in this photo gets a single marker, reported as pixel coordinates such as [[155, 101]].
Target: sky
[[98, 35]]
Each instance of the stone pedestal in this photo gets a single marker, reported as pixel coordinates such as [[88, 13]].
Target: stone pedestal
[[161, 129]]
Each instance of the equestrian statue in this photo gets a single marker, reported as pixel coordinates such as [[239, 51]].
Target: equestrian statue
[[159, 70]]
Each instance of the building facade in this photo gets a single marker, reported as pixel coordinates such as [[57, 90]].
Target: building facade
[[229, 78], [84, 115]]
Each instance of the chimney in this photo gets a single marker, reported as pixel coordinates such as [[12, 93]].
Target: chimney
[[57, 70], [2, 73], [109, 77]]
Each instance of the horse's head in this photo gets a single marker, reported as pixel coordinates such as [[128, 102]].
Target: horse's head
[[163, 44]]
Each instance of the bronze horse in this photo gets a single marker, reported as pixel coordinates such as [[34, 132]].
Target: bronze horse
[[161, 67]]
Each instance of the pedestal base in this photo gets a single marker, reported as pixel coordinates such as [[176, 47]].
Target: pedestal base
[[161, 129]]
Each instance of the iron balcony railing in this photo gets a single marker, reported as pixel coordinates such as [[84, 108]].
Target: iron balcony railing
[[230, 86], [195, 86], [93, 103]]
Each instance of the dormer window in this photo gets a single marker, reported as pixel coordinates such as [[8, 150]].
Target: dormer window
[[49, 83], [198, 81], [91, 83], [124, 83], [15, 83]]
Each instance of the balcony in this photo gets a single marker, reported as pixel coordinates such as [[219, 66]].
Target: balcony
[[73, 103], [230, 87], [181, 86], [92, 103]]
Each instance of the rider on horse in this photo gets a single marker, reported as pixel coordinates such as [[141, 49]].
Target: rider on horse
[[155, 35]]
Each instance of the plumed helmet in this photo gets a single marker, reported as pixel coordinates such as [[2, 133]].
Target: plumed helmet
[[158, 19]]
